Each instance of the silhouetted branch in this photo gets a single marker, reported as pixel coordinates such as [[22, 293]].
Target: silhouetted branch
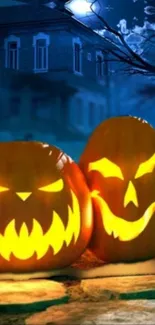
[[123, 52]]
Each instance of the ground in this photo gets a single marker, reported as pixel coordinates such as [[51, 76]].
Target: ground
[[64, 301]]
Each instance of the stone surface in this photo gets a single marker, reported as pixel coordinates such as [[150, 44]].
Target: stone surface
[[100, 301], [120, 287], [13, 319], [30, 295], [30, 291], [89, 302], [131, 287], [98, 313]]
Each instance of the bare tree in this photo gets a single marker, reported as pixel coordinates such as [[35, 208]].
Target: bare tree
[[131, 59], [135, 61]]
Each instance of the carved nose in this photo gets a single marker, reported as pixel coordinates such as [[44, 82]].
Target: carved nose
[[130, 195], [23, 195]]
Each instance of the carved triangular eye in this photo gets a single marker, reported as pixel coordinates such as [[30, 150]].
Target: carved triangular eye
[[53, 187], [3, 189], [146, 167], [107, 168]]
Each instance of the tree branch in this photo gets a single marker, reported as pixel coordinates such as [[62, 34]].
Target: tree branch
[[134, 58]]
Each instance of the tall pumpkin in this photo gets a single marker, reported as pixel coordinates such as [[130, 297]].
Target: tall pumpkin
[[119, 165], [45, 208]]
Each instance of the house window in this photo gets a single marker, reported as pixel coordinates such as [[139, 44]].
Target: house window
[[40, 108], [89, 57], [79, 112], [101, 113], [41, 44], [77, 56], [41, 54], [12, 55], [91, 115], [34, 107], [99, 65], [15, 106], [12, 45]]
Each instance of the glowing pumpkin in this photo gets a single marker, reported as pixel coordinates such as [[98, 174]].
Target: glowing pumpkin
[[45, 208], [119, 165]]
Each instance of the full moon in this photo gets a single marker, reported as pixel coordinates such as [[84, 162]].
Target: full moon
[[80, 7]]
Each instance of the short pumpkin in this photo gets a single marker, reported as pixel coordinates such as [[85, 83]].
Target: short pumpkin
[[119, 165], [45, 208]]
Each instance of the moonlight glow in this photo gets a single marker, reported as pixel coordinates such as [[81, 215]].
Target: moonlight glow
[[80, 7]]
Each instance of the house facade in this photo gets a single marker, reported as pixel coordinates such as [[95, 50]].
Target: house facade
[[53, 76]]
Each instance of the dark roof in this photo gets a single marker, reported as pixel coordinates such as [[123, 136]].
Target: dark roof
[[29, 13]]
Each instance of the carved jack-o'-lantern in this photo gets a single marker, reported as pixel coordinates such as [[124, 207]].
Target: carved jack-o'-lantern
[[119, 165], [45, 208]]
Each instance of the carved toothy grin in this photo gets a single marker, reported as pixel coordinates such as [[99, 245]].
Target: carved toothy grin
[[25, 245], [122, 229]]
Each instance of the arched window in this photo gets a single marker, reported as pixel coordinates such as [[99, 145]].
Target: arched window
[[79, 114], [77, 56], [99, 64], [12, 46], [91, 115], [41, 43]]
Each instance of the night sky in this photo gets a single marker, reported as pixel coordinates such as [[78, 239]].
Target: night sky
[[6, 3], [127, 9], [115, 10]]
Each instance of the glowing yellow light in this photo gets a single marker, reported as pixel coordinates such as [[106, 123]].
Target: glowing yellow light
[[146, 167], [3, 189], [130, 195], [23, 195], [24, 245], [54, 187], [122, 229], [106, 167]]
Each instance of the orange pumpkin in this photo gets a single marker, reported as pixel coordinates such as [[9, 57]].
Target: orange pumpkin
[[119, 165], [45, 208]]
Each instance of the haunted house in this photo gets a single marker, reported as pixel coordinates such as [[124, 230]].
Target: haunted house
[[53, 72]]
